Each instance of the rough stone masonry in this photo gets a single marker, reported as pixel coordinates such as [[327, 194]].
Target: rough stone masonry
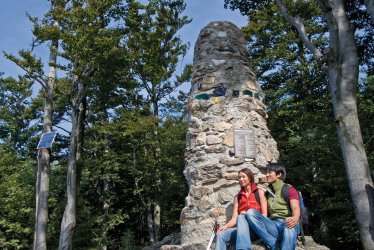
[[225, 96]]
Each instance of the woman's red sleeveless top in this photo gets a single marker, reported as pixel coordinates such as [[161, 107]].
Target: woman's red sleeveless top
[[246, 203]]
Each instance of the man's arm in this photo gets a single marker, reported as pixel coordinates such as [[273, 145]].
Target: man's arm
[[295, 208], [294, 219]]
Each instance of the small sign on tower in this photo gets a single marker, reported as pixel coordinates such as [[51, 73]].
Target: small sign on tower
[[244, 143], [46, 140]]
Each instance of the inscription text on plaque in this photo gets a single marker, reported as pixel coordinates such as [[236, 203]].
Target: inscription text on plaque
[[244, 143]]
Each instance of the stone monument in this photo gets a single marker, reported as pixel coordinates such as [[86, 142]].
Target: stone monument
[[227, 129]]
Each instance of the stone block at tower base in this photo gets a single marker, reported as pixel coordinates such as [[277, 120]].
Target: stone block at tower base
[[257, 245]]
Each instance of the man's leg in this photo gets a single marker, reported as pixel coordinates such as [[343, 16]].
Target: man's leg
[[289, 239], [265, 228], [243, 239], [224, 237], [280, 225]]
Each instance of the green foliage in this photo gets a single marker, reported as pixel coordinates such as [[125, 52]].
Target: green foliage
[[124, 140], [15, 116], [119, 173], [28, 62], [364, 34], [174, 187], [366, 114], [17, 200], [154, 47], [128, 241]]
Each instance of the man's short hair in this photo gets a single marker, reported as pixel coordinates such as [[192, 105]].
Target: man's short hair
[[278, 169]]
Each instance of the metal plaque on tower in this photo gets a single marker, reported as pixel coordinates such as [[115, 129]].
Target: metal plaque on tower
[[244, 143]]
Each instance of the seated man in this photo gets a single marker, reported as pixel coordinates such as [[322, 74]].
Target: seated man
[[282, 227]]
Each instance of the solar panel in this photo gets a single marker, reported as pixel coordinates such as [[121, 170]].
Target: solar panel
[[46, 140]]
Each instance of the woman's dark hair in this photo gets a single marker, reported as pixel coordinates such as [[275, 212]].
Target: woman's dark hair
[[278, 169], [248, 173]]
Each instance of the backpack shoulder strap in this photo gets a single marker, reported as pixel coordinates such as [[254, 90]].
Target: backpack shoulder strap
[[257, 196], [239, 198], [271, 188], [285, 194]]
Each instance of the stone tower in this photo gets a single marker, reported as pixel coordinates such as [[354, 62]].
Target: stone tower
[[226, 115]]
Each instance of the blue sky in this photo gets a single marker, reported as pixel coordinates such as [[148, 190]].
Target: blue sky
[[16, 28]]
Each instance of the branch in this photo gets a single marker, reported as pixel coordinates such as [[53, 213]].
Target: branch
[[144, 83], [19, 63], [66, 120], [298, 24], [88, 71], [367, 143], [44, 86], [35, 43], [59, 127], [38, 79], [331, 52]]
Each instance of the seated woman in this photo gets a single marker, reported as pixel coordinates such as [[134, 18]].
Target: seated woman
[[248, 197]]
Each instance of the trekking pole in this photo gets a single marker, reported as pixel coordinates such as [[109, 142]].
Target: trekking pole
[[214, 232]]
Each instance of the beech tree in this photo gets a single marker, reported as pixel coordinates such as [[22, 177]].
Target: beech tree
[[155, 49], [341, 61], [87, 42], [34, 70]]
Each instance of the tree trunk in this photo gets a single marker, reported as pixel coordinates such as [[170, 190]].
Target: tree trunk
[[343, 79], [104, 240], [156, 220], [105, 206], [147, 204], [42, 191], [75, 157], [156, 206], [44, 155], [151, 230], [370, 9], [342, 60]]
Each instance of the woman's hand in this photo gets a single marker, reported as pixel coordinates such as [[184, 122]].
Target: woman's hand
[[222, 228]]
